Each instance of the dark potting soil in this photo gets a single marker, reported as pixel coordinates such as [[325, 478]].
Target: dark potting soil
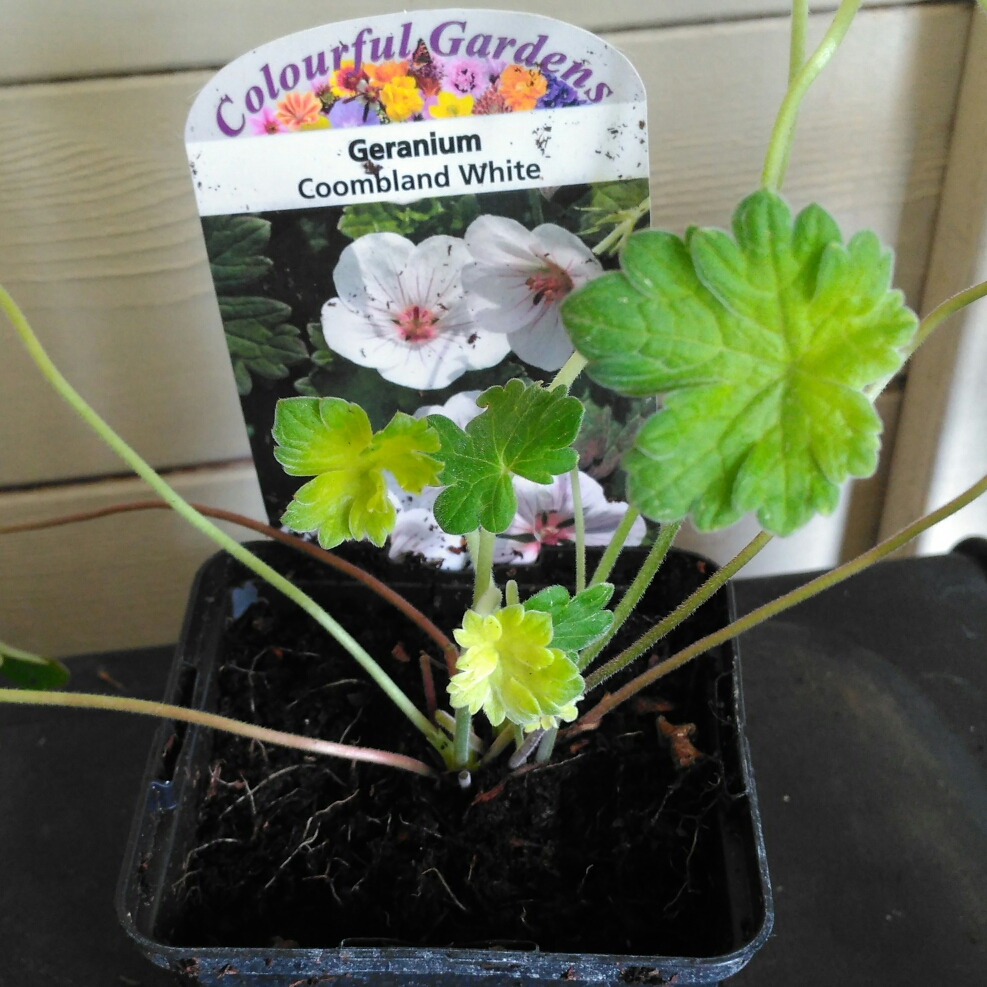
[[613, 847]]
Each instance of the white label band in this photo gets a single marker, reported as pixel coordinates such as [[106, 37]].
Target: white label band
[[402, 162]]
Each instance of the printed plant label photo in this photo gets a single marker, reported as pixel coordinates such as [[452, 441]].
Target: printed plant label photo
[[438, 183]]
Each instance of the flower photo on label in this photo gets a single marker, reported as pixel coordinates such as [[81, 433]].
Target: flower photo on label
[[518, 279], [301, 111], [266, 122], [545, 516], [402, 311]]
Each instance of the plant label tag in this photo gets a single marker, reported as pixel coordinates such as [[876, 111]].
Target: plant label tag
[[394, 209]]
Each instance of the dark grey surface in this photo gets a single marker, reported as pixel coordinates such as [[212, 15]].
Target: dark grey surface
[[68, 786], [867, 718], [867, 712]]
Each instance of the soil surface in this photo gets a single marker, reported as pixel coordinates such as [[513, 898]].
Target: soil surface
[[613, 847]]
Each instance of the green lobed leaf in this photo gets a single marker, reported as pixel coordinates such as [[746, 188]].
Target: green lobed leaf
[[762, 345], [578, 622], [259, 340], [235, 246], [45, 673], [332, 440], [525, 430]]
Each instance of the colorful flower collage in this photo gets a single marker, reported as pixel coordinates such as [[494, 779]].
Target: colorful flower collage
[[426, 87]]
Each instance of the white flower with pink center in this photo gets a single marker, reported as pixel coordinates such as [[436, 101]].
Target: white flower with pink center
[[545, 516], [402, 310], [517, 281]]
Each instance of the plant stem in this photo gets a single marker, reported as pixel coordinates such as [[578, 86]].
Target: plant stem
[[500, 743], [311, 745], [784, 127], [635, 591], [482, 565], [577, 510], [943, 311], [796, 596], [796, 49], [571, 369], [546, 746], [796, 54], [210, 530], [609, 557], [461, 738], [525, 749], [299, 544], [683, 610]]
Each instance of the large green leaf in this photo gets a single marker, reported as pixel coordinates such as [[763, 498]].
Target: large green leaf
[[332, 440], [525, 430], [235, 246], [762, 346]]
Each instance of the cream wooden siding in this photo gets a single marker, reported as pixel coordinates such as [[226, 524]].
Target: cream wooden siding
[[99, 241], [58, 39]]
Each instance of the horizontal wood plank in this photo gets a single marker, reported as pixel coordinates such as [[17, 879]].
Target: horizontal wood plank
[[102, 247], [60, 39], [117, 582]]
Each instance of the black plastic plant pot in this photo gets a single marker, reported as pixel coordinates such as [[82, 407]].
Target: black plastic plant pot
[[635, 855]]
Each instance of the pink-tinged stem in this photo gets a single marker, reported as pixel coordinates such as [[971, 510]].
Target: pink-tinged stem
[[382, 589], [311, 745]]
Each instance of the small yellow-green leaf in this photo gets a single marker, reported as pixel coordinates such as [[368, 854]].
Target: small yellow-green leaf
[[332, 440]]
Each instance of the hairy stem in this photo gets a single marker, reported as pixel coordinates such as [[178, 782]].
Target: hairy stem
[[571, 369], [299, 544], [612, 551], [500, 743], [784, 127], [461, 739], [635, 591], [580, 520], [210, 530], [796, 596], [683, 610], [310, 745], [482, 565]]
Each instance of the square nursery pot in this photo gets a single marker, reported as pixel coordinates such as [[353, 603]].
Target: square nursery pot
[[262, 866]]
